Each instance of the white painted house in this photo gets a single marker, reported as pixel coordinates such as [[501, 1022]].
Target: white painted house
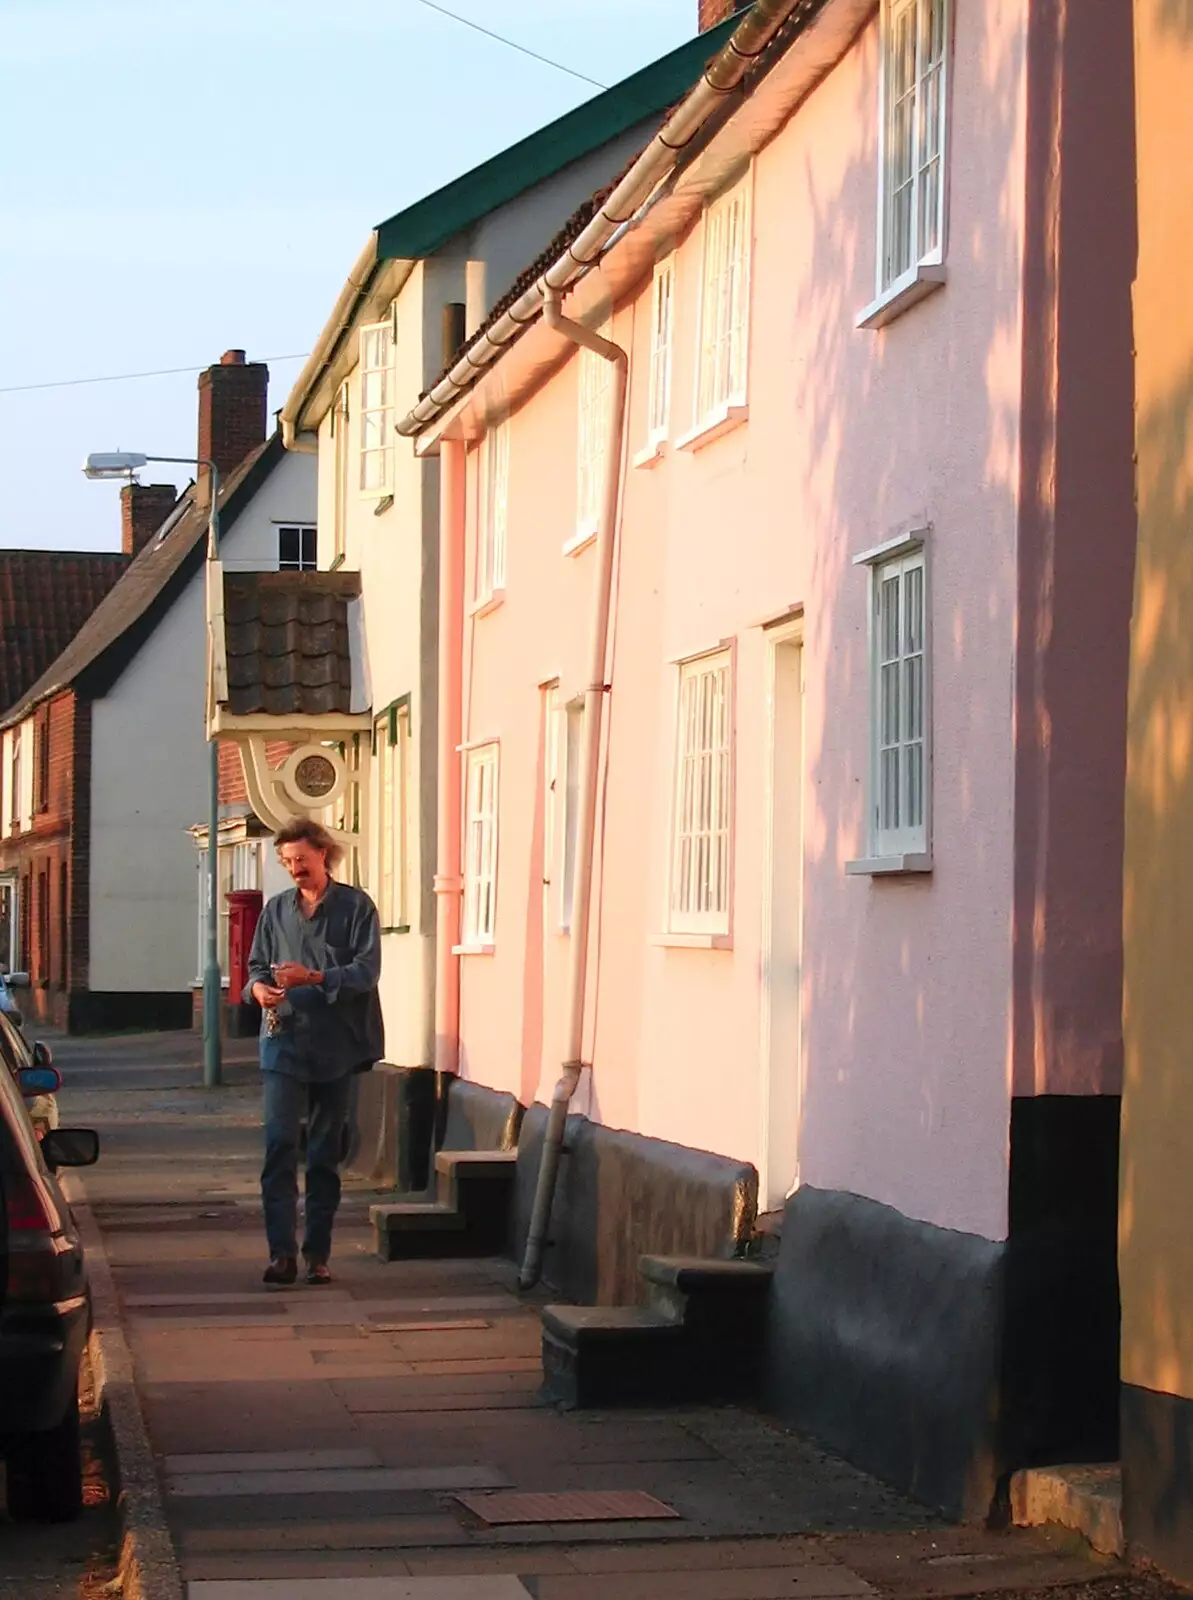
[[111, 742]]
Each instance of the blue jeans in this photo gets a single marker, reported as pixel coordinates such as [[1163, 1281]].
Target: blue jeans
[[325, 1106]]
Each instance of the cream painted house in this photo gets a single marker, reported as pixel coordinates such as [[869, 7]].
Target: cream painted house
[[426, 279]]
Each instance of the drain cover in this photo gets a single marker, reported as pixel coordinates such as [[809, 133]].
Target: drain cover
[[581, 1505]]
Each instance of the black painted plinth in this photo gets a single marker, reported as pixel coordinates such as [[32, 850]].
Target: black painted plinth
[[1157, 1456]]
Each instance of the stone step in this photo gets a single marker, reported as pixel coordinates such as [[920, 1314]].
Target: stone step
[[611, 1355], [1088, 1499], [706, 1275], [698, 1338], [469, 1217], [475, 1177]]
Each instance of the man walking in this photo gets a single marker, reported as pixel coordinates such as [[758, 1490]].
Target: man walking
[[313, 970]]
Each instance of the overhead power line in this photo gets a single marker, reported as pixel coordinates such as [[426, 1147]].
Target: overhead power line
[[512, 44], [124, 377]]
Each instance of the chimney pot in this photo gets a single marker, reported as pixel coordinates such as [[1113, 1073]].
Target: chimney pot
[[712, 12], [232, 358], [143, 509]]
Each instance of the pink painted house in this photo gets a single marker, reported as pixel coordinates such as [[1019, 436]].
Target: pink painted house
[[854, 918]]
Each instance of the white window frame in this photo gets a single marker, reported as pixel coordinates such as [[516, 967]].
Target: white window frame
[[909, 258], [482, 773], [302, 529], [594, 402], [391, 759], [492, 523], [703, 797], [378, 383], [662, 338], [723, 326], [899, 845]]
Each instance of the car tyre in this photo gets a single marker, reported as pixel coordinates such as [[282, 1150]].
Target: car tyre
[[45, 1473]]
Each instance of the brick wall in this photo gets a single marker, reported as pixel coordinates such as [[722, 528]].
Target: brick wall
[[232, 788], [52, 861]]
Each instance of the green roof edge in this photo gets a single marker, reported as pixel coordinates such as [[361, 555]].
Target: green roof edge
[[422, 228]]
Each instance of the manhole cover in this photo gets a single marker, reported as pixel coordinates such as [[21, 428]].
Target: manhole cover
[[581, 1505]]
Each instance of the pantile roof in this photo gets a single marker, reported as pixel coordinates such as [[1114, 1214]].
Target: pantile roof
[[289, 642], [45, 598]]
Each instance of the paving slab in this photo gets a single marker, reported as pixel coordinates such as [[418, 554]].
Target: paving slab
[[271, 1461], [762, 1583], [326, 1481], [496, 1588], [311, 1443]]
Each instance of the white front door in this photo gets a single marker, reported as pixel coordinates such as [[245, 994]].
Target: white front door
[[782, 933]]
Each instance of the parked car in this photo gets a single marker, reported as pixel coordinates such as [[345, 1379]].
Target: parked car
[[45, 1304], [40, 1079], [8, 1002]]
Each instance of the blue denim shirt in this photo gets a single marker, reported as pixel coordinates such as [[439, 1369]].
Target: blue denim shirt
[[334, 1028]]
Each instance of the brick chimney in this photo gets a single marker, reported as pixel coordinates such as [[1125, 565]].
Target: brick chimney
[[714, 11], [143, 509], [232, 414]]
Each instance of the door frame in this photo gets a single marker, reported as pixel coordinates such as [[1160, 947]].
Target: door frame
[[782, 636]]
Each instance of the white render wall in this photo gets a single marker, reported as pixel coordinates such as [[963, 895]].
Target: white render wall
[[149, 768], [395, 555]]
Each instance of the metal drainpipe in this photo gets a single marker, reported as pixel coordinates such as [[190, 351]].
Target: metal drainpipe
[[448, 883], [594, 706]]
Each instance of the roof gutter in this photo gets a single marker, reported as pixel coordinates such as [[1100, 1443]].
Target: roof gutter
[[720, 78], [322, 355]]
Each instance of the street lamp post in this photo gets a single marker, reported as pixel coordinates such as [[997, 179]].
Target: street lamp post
[[122, 464]]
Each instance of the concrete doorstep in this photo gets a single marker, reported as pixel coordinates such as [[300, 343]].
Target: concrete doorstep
[[1087, 1499]]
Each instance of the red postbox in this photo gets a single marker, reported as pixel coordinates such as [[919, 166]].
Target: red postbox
[[244, 912]]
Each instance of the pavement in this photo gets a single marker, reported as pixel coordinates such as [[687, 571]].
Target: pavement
[[362, 1440]]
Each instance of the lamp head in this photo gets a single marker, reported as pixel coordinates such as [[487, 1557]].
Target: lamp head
[[114, 464]]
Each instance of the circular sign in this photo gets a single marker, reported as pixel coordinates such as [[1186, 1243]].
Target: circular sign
[[315, 776]]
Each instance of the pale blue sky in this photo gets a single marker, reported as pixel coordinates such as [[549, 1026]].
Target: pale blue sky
[[186, 176]]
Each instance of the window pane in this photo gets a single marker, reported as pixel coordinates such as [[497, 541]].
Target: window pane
[[914, 760], [912, 178], [900, 712], [701, 849]]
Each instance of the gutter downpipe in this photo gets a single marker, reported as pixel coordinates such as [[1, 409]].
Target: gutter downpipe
[[448, 882], [594, 706], [720, 79]]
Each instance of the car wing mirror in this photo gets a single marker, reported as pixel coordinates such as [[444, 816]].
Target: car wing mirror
[[38, 1080], [70, 1147], [17, 980]]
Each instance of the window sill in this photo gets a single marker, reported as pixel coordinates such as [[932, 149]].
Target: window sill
[[651, 454], [904, 293], [908, 865], [473, 949], [721, 421], [580, 540], [692, 941], [482, 608]]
